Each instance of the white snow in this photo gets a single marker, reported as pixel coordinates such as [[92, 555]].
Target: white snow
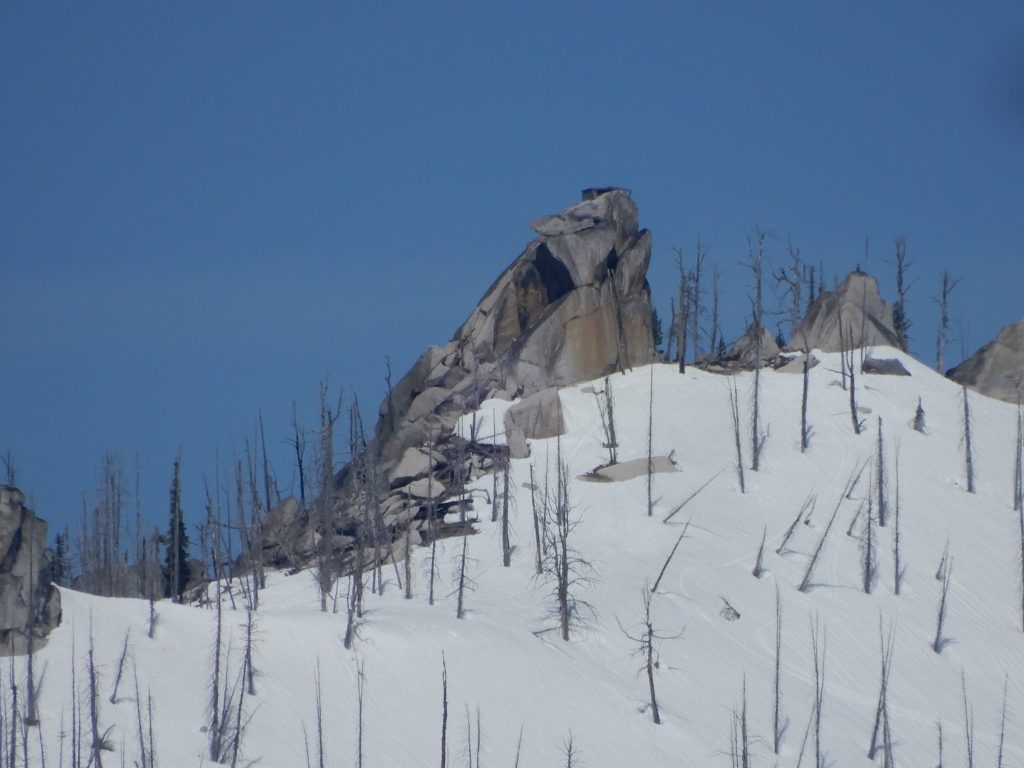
[[500, 661]]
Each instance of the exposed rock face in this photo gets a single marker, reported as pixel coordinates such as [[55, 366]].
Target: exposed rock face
[[574, 305], [29, 603], [854, 309], [997, 369]]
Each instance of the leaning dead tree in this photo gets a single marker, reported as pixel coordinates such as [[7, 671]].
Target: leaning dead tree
[[947, 575], [946, 287], [734, 410], [606, 410], [850, 483], [879, 732]]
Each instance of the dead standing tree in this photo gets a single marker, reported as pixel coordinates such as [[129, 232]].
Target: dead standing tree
[[696, 307], [325, 504], [734, 410], [790, 281], [967, 442], [756, 267], [685, 298], [946, 287], [849, 371], [563, 564], [646, 641]]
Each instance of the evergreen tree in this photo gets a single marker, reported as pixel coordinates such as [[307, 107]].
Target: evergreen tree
[[176, 570], [61, 561], [656, 330]]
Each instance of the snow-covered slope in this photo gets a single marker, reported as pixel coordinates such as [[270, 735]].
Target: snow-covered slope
[[525, 681]]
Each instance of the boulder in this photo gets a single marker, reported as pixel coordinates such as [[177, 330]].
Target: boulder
[[746, 352], [426, 403], [883, 366], [424, 488], [29, 602], [997, 369], [855, 309], [538, 416], [793, 363], [415, 462]]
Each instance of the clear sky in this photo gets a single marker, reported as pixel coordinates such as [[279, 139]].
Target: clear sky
[[206, 209]]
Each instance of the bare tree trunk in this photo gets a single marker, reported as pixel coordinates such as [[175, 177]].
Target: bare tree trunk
[[756, 439], [759, 564], [887, 644], [941, 617], [968, 446], [650, 447], [868, 570], [444, 712], [777, 700], [539, 561], [696, 309], [506, 544], [120, 667], [94, 710], [821, 543], [968, 722], [408, 561], [735, 412], [360, 683], [460, 607], [850, 367], [819, 692], [947, 285], [897, 555], [684, 311], [215, 724], [716, 331], [880, 479], [805, 432]]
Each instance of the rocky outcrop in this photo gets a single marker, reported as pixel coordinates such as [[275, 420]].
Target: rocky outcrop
[[750, 350], [573, 306], [29, 603], [855, 310], [997, 369]]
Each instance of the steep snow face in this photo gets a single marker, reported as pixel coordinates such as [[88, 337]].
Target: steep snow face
[[523, 683]]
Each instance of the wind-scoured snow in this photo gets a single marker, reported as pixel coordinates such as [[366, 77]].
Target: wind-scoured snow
[[502, 661]]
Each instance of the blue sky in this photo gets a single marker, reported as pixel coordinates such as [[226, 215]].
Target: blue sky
[[204, 212]]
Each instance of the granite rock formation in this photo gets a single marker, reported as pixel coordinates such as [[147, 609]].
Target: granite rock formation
[[573, 306], [854, 309], [997, 369], [29, 603]]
